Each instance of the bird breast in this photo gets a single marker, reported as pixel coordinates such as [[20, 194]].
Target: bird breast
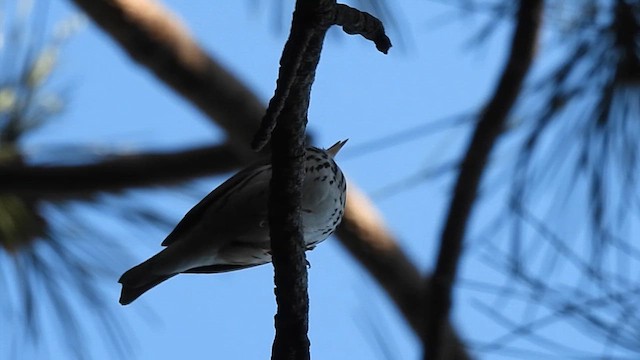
[[323, 197]]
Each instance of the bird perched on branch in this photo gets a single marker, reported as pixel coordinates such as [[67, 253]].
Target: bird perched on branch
[[228, 229]]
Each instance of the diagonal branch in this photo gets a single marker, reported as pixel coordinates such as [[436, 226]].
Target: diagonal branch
[[154, 38], [364, 234], [486, 134]]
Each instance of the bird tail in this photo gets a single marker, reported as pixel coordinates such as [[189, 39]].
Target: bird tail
[[139, 280]]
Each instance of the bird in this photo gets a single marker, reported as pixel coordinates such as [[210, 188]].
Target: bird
[[229, 230]]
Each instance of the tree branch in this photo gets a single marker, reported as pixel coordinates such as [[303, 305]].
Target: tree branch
[[287, 117], [354, 21], [117, 173], [487, 131]]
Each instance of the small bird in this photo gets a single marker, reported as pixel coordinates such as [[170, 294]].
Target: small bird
[[229, 230]]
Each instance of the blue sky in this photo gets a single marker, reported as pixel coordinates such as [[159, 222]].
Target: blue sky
[[360, 94]]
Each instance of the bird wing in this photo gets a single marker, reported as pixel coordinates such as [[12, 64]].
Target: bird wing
[[218, 197]]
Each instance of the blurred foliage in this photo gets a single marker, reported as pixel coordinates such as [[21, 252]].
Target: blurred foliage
[[20, 223], [25, 104], [48, 270], [574, 137]]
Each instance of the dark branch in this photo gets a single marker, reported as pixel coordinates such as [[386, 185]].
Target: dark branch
[[298, 65], [287, 118], [290, 63], [117, 173], [487, 131], [354, 21]]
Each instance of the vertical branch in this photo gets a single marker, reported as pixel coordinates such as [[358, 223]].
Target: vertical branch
[[488, 129], [287, 116]]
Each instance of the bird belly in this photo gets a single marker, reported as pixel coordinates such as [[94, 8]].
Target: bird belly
[[238, 253]]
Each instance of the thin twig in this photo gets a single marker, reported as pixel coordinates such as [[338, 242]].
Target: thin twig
[[292, 58], [354, 21]]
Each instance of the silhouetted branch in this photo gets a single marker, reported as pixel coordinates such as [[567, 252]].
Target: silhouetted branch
[[351, 20], [354, 21], [295, 54], [490, 126], [287, 118], [117, 173]]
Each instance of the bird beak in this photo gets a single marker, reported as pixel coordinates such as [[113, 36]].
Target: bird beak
[[333, 150]]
